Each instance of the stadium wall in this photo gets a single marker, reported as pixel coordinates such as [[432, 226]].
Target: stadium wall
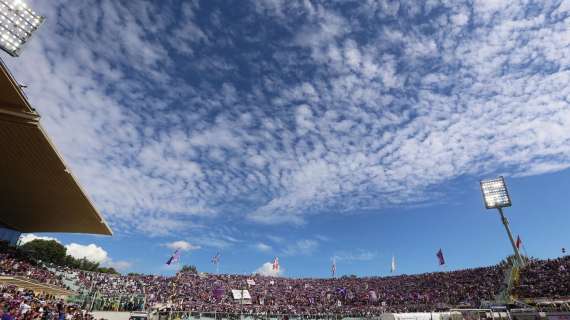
[[111, 315]]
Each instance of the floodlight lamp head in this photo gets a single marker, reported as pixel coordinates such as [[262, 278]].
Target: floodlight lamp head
[[495, 193], [17, 24]]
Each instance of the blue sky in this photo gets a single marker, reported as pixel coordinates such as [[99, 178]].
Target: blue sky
[[308, 130]]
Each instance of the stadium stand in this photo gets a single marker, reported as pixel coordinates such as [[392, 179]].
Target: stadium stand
[[17, 304], [545, 279], [347, 296]]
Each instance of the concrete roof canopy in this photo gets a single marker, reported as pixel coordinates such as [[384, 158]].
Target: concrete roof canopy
[[38, 193]]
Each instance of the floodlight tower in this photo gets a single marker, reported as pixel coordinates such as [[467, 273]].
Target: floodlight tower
[[496, 196], [17, 24]]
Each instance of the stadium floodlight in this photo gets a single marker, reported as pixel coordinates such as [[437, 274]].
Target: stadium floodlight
[[495, 193], [17, 24], [496, 196]]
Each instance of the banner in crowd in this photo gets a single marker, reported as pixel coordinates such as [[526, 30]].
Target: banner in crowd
[[241, 294]]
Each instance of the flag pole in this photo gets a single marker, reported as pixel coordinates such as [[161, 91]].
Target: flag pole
[[524, 249]]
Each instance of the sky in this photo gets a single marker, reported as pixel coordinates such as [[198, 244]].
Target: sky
[[307, 130]]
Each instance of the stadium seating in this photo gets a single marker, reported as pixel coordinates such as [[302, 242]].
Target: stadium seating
[[280, 295]]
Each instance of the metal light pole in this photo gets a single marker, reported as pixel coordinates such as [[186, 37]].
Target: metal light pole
[[496, 196], [509, 233]]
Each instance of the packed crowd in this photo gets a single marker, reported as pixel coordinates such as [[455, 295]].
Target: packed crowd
[[545, 279], [14, 265], [18, 304], [278, 295], [346, 295]]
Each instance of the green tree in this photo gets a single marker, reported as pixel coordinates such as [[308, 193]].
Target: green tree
[[49, 251], [107, 270], [510, 260], [189, 269], [71, 262]]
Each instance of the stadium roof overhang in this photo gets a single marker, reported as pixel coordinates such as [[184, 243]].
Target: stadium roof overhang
[[35, 286], [38, 193]]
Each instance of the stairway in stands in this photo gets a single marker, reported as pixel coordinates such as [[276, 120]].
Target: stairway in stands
[[69, 279]]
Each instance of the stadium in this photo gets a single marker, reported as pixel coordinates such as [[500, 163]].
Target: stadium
[[107, 104]]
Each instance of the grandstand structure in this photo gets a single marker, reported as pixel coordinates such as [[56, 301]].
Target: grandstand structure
[[38, 192]]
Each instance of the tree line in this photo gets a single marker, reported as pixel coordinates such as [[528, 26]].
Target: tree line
[[53, 252]]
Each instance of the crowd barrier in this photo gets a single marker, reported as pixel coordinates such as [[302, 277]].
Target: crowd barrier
[[471, 314], [246, 316]]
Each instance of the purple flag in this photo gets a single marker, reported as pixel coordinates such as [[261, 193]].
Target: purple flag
[[440, 257], [341, 291], [219, 293], [174, 258]]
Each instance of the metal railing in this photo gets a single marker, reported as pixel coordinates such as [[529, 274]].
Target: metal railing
[[96, 302], [191, 315]]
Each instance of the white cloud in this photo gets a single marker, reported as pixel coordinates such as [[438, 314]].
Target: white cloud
[[119, 265], [263, 247], [266, 269], [25, 238], [301, 247], [90, 252], [182, 245], [356, 255], [275, 239]]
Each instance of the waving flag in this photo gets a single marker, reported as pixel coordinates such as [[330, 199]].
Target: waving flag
[[341, 291], [276, 264], [372, 296], [216, 259], [219, 293], [519, 242], [440, 257], [174, 258], [333, 267], [393, 266]]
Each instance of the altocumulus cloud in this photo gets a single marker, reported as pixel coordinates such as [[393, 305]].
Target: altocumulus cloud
[[181, 245], [341, 111]]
